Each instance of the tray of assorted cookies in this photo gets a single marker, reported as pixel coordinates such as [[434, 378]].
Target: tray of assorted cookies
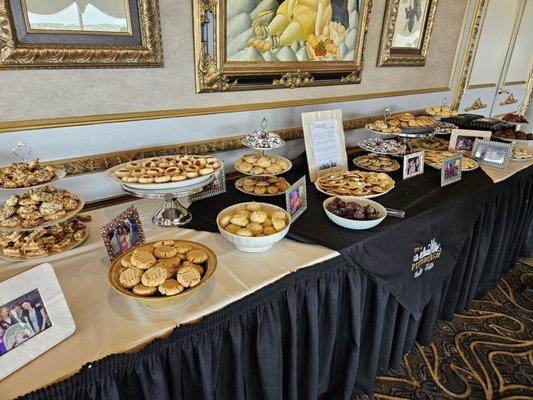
[[30, 175], [411, 124], [431, 143], [262, 186], [166, 172], [38, 208], [355, 183], [435, 158], [383, 127], [438, 112], [262, 165], [163, 271], [44, 242], [377, 163]]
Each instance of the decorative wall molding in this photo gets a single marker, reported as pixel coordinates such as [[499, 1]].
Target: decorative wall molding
[[46, 123], [476, 105], [102, 162], [469, 53]]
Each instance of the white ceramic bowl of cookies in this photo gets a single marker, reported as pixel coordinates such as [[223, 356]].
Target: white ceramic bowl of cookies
[[253, 244], [352, 223]]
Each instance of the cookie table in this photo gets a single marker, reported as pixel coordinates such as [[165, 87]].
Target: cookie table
[[109, 323], [285, 331]]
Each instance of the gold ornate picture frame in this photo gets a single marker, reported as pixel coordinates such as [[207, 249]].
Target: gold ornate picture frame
[[37, 34], [406, 32], [253, 44]]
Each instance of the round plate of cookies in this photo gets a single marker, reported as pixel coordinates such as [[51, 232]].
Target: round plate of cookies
[[355, 183], [376, 162], [30, 175], [163, 271], [263, 165], [262, 186], [38, 208], [166, 172], [435, 158]]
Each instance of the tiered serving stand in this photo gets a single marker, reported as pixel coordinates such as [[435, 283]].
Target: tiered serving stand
[[60, 173], [261, 141]]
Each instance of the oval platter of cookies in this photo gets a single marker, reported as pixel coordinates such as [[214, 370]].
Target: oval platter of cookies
[[162, 271], [376, 163], [167, 172], [435, 158], [263, 165], [355, 183], [38, 208], [262, 186]]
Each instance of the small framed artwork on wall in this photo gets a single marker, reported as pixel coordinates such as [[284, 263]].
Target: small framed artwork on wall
[[406, 31]]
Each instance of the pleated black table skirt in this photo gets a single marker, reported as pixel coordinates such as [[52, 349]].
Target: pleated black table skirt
[[324, 332]]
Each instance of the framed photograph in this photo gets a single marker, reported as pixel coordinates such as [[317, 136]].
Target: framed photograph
[[216, 187], [492, 154], [324, 142], [296, 198], [34, 317], [413, 164], [256, 44], [463, 140], [406, 31], [122, 232], [69, 33], [451, 170]]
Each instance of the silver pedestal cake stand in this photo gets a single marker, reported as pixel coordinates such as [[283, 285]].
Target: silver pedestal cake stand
[[174, 211]]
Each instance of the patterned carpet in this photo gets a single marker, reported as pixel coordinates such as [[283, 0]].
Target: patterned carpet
[[485, 354]]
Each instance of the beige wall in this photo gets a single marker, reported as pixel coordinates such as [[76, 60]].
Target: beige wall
[[36, 94]]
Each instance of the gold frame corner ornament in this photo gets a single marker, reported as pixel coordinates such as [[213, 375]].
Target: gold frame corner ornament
[[509, 100], [215, 73], [476, 105], [15, 55], [386, 56]]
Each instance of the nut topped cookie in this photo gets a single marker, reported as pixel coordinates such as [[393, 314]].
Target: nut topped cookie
[[36, 207], [24, 175]]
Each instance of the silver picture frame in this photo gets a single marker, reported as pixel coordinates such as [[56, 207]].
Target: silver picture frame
[[492, 154]]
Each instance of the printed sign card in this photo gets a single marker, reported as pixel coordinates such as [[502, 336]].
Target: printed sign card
[[324, 142], [296, 199]]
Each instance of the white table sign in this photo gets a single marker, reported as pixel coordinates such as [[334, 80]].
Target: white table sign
[[324, 142]]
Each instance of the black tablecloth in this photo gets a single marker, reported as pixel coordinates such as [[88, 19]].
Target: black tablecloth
[[438, 220], [323, 332]]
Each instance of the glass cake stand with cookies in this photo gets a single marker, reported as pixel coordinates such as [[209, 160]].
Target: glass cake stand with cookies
[[262, 170]]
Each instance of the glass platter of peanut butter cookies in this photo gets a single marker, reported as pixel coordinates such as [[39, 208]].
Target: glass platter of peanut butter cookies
[[263, 186], [168, 172], [163, 271]]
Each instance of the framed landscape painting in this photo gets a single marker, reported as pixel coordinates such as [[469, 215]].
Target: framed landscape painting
[[406, 31], [80, 34], [253, 44]]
